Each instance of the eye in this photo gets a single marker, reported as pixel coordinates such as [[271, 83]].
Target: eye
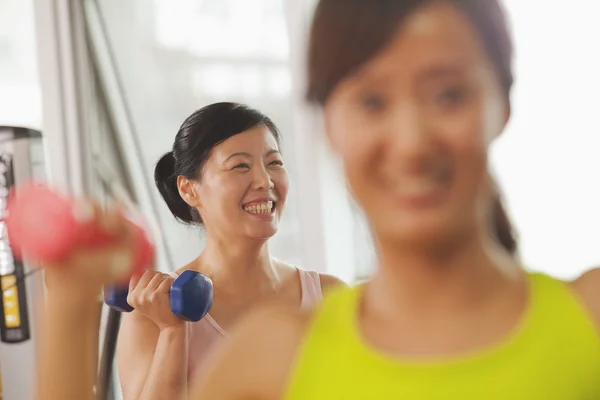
[[278, 163], [242, 166], [451, 96], [372, 102]]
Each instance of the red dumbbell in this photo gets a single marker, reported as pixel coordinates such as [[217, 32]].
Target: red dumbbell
[[45, 227]]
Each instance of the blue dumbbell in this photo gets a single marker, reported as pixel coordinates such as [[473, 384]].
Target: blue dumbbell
[[191, 296]]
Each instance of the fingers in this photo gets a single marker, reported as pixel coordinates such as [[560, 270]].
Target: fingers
[[112, 220], [145, 289], [155, 282], [143, 280], [110, 262], [85, 210], [133, 282], [99, 256], [165, 286]]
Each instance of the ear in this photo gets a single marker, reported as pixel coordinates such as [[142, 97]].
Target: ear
[[188, 192]]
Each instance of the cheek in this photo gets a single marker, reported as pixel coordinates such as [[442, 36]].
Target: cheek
[[467, 135], [467, 138], [281, 180], [224, 191], [346, 131], [356, 144]]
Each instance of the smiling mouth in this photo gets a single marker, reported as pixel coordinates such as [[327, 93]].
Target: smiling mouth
[[423, 189], [260, 208]]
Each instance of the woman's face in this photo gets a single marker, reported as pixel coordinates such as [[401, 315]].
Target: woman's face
[[413, 127], [244, 186]]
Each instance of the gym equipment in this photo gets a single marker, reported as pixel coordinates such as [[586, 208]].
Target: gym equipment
[[62, 231], [191, 296], [21, 160]]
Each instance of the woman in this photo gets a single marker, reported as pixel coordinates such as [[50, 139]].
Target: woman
[[414, 92], [226, 174]]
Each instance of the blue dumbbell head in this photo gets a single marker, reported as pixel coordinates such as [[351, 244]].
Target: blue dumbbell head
[[116, 298], [191, 296]]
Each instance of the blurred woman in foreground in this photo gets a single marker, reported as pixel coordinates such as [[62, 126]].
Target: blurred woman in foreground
[[414, 93]]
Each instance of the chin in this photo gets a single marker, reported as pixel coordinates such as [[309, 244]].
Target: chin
[[262, 234], [422, 232]]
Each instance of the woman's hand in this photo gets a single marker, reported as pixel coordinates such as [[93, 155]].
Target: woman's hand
[[150, 295], [86, 270]]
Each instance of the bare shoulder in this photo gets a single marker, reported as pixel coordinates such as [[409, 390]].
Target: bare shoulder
[[189, 265], [257, 358], [329, 282], [587, 286]]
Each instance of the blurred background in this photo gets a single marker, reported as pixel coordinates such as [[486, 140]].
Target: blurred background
[[118, 77], [172, 57]]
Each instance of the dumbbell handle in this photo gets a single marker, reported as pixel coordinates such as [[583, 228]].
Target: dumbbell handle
[[116, 298], [191, 296]]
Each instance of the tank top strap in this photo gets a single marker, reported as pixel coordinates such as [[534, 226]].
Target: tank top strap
[[310, 283], [556, 306]]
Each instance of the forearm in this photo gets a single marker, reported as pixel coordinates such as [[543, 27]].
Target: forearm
[[68, 353], [167, 378]]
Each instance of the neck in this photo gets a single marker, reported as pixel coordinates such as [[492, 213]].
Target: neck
[[447, 277], [238, 263]]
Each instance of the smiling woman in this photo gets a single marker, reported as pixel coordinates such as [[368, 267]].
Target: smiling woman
[[244, 185], [226, 142], [225, 173]]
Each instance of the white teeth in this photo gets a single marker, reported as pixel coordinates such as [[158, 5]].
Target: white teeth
[[262, 208]]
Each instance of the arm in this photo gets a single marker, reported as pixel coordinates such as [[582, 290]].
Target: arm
[[588, 288], [152, 362], [254, 363], [68, 353]]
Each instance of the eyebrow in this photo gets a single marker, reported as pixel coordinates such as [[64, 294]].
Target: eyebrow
[[444, 68], [248, 155]]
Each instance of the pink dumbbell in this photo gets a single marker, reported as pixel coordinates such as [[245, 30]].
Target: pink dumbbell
[[44, 226]]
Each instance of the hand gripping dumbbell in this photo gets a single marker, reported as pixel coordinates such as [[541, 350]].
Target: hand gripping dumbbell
[[191, 296], [43, 226]]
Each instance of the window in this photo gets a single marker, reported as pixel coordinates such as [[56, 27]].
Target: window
[[20, 102]]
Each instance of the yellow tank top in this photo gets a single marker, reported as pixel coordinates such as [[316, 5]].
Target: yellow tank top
[[553, 355]]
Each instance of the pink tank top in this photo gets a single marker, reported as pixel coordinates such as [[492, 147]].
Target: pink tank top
[[206, 333]]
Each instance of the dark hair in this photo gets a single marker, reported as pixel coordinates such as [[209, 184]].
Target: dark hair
[[347, 33], [197, 136]]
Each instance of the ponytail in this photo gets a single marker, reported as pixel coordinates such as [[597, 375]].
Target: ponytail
[[165, 179], [502, 228]]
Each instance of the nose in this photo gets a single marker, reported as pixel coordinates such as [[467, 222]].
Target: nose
[[409, 135], [262, 179]]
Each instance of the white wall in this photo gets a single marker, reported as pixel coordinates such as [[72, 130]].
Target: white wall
[[547, 160]]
